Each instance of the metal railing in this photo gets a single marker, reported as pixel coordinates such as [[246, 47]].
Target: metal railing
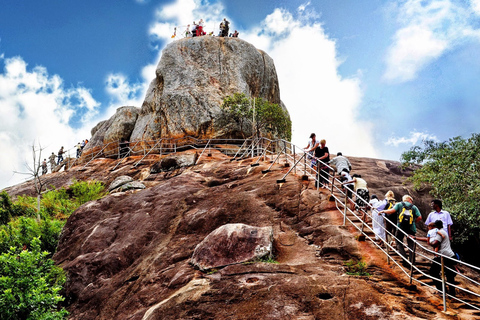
[[469, 288]]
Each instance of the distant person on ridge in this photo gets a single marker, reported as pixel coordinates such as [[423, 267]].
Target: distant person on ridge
[[51, 159], [200, 28], [225, 27], [44, 166], [341, 163], [79, 149], [60, 155], [194, 29], [187, 32], [407, 214], [235, 34]]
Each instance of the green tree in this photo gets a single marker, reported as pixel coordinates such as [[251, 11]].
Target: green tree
[[452, 169], [257, 116], [29, 285]]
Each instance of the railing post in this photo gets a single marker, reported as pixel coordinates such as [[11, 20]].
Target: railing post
[[295, 170], [412, 260], [305, 164], [444, 293], [345, 210]]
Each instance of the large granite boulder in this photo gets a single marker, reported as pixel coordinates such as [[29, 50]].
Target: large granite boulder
[[118, 127], [232, 244], [193, 77]]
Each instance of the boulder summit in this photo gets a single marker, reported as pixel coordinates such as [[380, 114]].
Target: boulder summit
[[193, 77]]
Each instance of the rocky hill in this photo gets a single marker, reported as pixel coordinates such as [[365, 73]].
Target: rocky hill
[[129, 254], [193, 77]]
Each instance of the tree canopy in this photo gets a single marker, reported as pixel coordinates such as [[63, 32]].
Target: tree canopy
[[258, 116], [452, 169]]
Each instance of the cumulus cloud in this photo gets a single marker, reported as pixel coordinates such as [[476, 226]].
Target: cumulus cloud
[[124, 93], [414, 139], [428, 30], [36, 108], [317, 97]]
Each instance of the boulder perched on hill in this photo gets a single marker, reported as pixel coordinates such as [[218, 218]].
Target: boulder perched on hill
[[233, 243], [118, 127], [193, 77]]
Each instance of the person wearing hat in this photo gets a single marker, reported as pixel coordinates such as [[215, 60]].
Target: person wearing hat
[[390, 220], [407, 214]]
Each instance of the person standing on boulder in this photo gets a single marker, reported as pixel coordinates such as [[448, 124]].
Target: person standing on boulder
[[225, 27], [407, 214]]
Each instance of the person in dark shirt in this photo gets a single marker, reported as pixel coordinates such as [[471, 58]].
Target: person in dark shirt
[[322, 154]]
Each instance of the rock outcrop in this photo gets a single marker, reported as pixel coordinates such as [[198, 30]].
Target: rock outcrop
[[193, 77], [233, 243], [128, 255]]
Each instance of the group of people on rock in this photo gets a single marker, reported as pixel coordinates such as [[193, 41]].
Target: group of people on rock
[[55, 160], [197, 30], [391, 220]]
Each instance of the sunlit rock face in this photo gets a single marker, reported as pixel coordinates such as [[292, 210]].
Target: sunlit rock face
[[193, 77]]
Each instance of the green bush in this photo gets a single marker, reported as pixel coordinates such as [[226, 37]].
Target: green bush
[[356, 267], [29, 285], [84, 191], [20, 232]]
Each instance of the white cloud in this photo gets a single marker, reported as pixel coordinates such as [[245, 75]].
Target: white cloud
[[414, 139], [429, 28], [475, 5], [124, 93], [35, 108], [318, 98]]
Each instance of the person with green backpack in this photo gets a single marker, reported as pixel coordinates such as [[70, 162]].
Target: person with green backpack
[[407, 214]]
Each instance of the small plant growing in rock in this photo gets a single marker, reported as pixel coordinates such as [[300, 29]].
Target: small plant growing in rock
[[356, 267], [212, 271], [268, 259]]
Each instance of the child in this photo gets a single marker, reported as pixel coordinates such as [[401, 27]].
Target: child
[[432, 232]]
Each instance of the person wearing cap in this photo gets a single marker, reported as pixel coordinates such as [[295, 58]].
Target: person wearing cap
[[406, 204], [390, 220]]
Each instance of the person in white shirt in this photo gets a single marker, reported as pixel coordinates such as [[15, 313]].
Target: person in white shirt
[[439, 214]]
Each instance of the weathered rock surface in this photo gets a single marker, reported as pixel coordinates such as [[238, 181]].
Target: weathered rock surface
[[128, 254], [118, 127], [175, 161], [119, 181], [233, 243], [192, 78]]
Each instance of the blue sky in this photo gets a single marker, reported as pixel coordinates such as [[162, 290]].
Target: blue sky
[[372, 77]]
